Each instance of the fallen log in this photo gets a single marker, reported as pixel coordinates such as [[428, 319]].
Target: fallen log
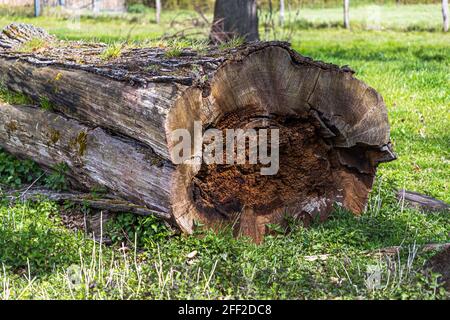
[[113, 122]]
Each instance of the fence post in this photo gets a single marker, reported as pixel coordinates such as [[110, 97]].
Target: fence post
[[96, 6], [445, 14], [346, 14], [158, 11], [37, 8], [282, 12]]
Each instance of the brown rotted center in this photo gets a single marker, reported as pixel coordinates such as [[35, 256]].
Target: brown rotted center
[[304, 171]]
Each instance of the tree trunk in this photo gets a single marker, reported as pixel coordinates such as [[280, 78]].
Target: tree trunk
[[113, 123], [158, 11], [346, 14], [445, 15], [282, 13], [235, 18]]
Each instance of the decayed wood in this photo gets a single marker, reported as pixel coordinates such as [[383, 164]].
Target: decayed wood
[[421, 201], [102, 202], [114, 121]]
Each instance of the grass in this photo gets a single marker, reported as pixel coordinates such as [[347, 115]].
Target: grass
[[10, 97], [232, 43], [33, 45], [410, 70], [427, 17], [65, 265], [112, 51], [173, 52]]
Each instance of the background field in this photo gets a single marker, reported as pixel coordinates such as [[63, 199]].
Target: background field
[[398, 51]]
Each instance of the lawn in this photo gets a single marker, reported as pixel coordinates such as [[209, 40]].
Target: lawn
[[41, 258]]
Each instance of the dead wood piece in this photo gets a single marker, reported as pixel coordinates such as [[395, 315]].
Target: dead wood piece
[[388, 251], [112, 122], [421, 201]]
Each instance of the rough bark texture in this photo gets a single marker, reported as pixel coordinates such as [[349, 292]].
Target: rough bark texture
[[112, 121], [235, 18], [93, 156]]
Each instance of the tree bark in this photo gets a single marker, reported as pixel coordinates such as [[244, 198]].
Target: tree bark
[[94, 157], [235, 18], [347, 14], [112, 123], [445, 15]]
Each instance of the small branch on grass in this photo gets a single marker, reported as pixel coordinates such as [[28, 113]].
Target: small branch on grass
[[423, 202], [388, 251]]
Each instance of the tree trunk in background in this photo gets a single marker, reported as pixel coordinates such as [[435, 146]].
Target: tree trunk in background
[[282, 12], [158, 11], [346, 14], [235, 18], [112, 123], [445, 15]]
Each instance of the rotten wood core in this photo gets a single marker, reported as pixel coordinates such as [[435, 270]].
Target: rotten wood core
[[111, 122]]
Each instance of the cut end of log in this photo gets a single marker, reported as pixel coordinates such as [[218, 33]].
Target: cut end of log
[[331, 129], [333, 132]]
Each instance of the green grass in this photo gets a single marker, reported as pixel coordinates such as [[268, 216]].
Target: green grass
[[377, 17], [33, 45], [112, 51], [410, 69], [43, 260]]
